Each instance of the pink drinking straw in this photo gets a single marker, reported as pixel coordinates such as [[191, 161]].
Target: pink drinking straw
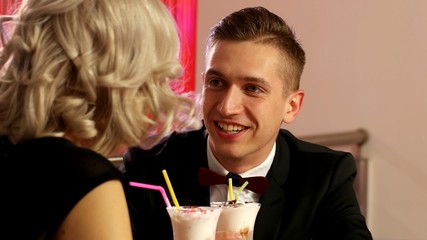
[[153, 187]]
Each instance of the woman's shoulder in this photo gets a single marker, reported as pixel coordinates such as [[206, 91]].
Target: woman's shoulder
[[60, 158], [46, 177]]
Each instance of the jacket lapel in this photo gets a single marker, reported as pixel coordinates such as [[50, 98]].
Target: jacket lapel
[[191, 193], [270, 216]]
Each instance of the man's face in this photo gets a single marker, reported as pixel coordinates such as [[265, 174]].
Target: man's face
[[243, 101]]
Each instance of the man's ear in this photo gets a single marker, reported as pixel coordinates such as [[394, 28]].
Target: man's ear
[[293, 105]]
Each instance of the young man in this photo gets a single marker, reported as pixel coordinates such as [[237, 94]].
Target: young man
[[251, 88]]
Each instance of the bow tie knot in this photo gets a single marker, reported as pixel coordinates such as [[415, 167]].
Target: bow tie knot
[[235, 179], [255, 184]]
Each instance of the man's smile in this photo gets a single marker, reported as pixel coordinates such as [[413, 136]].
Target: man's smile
[[230, 128]]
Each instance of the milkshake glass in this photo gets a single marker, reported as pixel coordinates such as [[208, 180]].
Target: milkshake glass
[[237, 220], [194, 223]]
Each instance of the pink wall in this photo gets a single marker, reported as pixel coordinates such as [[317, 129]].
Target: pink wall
[[366, 68], [185, 14]]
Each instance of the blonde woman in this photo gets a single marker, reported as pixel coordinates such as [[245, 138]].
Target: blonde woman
[[80, 79]]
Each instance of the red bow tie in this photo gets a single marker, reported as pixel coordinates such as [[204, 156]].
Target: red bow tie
[[255, 184]]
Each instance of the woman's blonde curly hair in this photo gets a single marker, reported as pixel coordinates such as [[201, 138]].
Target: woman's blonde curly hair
[[96, 71]]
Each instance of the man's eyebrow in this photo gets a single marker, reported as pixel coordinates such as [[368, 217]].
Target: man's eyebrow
[[251, 79], [213, 72], [256, 79]]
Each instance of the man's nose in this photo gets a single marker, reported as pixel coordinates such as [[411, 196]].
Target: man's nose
[[231, 102]]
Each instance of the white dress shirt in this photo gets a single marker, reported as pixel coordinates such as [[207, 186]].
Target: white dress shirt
[[219, 193]]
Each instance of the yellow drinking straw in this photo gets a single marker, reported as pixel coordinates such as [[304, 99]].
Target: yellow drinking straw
[[168, 182], [230, 189]]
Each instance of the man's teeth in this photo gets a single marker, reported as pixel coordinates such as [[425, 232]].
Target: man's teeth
[[230, 128]]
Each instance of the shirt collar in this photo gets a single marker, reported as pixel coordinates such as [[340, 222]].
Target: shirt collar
[[260, 170]]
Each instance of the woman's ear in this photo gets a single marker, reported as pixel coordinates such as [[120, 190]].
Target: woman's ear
[[293, 105]]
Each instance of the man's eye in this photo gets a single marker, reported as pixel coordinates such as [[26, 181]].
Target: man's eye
[[214, 82], [253, 89]]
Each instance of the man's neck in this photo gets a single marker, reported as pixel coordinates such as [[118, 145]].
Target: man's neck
[[241, 166]]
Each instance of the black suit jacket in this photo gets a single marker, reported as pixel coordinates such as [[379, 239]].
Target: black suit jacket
[[310, 189]]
